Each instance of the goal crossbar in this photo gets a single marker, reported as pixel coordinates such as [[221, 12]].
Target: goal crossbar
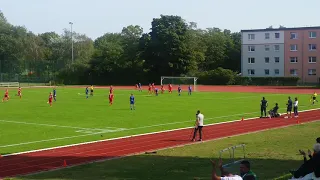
[[194, 83]]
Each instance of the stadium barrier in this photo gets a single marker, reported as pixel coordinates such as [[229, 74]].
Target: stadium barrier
[[9, 84], [231, 151]]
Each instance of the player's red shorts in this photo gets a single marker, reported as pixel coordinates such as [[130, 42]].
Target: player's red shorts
[[6, 95], [110, 100], [50, 100]]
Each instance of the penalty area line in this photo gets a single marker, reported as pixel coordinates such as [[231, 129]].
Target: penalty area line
[[90, 142]]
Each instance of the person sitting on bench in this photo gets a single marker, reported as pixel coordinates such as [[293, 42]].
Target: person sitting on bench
[[274, 112]]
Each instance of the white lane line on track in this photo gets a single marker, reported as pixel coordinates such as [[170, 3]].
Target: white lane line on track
[[71, 137]]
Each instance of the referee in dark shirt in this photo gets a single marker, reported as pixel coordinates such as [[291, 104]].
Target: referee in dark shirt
[[263, 105]]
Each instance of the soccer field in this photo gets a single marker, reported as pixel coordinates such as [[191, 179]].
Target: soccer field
[[30, 123]]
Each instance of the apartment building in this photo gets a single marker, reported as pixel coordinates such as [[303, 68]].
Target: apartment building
[[282, 52]]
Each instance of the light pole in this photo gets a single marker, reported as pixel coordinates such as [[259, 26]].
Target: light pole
[[71, 23]]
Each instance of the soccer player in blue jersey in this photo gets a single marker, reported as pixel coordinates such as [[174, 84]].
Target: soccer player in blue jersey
[[189, 90], [140, 87], [87, 92], [132, 102], [54, 94], [179, 90], [156, 90]]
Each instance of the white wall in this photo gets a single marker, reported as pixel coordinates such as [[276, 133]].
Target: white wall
[[260, 37]]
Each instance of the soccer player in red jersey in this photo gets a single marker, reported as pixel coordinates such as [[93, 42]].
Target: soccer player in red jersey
[[150, 89], [111, 90], [50, 99], [19, 93], [162, 89], [153, 87], [111, 99], [170, 88], [6, 96]]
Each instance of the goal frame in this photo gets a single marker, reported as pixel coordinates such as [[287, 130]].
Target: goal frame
[[195, 79]]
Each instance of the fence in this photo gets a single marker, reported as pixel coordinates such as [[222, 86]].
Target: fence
[[27, 80]]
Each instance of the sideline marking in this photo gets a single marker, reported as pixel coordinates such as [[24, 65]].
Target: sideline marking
[[91, 142], [151, 95], [101, 131], [52, 125]]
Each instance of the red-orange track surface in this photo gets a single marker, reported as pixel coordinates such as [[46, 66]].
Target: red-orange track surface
[[33, 162]]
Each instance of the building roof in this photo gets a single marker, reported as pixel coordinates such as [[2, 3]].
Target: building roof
[[282, 29]]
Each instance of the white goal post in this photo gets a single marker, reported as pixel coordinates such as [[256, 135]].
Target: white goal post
[[9, 84], [183, 81]]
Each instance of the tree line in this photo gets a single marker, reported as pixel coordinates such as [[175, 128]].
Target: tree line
[[173, 47]]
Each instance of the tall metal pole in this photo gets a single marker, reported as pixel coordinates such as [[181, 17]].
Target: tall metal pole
[[71, 23]]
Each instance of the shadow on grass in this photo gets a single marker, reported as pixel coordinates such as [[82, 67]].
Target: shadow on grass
[[152, 166]]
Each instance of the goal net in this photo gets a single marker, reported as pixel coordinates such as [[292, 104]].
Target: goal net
[[183, 81], [9, 84]]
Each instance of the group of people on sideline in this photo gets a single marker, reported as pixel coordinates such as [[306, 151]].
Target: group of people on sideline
[[290, 106], [274, 111]]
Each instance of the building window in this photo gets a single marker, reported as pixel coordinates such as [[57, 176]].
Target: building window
[[276, 47], [312, 47], [251, 36], [251, 60], [251, 48], [293, 72], [293, 59], [276, 59], [293, 35], [293, 47], [276, 71], [251, 71], [312, 59], [277, 35], [267, 35], [266, 72], [266, 59], [267, 48], [312, 34], [312, 72]]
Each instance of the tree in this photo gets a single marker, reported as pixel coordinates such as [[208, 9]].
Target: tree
[[167, 52], [173, 47]]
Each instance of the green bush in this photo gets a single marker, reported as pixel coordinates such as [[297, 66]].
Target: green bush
[[267, 81], [218, 76]]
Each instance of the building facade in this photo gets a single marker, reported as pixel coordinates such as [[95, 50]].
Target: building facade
[[283, 52]]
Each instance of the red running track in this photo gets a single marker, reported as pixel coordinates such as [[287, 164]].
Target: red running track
[[33, 162]]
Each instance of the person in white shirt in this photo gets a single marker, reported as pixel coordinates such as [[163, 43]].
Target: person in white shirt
[[295, 107], [225, 175], [198, 125]]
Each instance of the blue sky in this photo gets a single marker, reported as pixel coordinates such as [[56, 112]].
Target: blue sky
[[96, 17]]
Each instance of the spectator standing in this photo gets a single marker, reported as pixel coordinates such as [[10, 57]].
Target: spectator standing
[[263, 106], [198, 126], [295, 107]]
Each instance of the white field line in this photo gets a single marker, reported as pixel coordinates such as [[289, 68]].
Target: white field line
[[108, 129], [148, 95], [90, 142], [53, 125]]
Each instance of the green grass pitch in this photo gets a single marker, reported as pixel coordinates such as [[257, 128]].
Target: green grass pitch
[[30, 123]]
